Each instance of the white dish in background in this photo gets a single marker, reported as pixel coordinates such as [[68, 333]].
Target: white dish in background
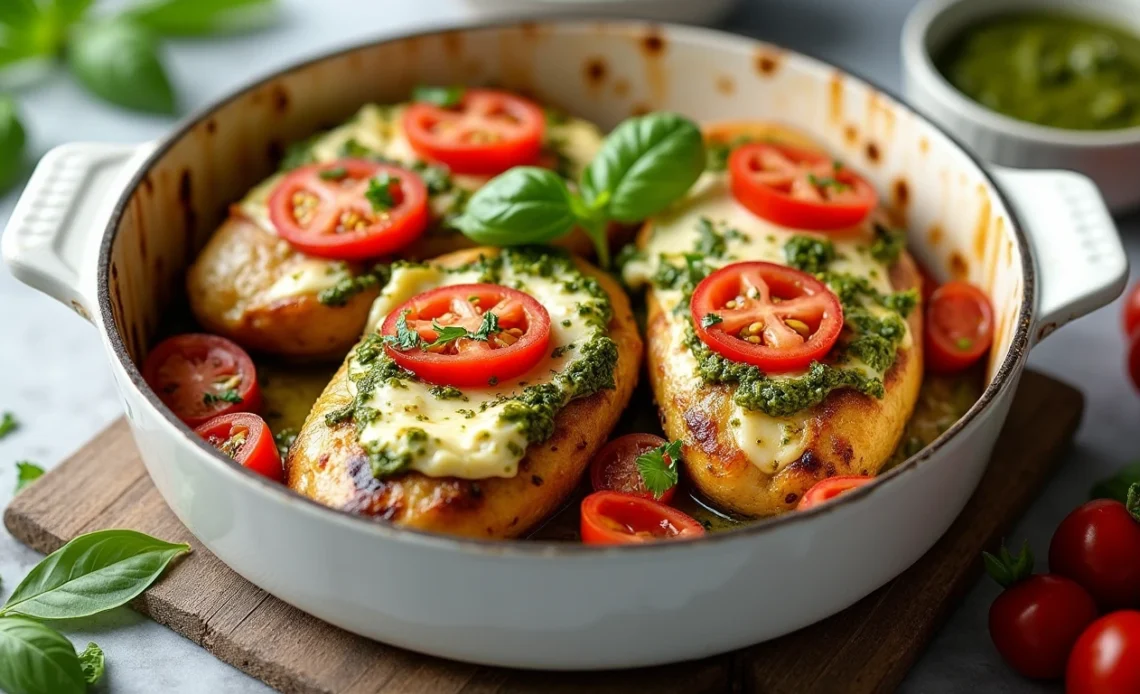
[[1111, 158], [681, 11]]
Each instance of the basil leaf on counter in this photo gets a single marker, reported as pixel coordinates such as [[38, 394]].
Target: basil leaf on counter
[[198, 17], [119, 61], [12, 141], [36, 659], [26, 473], [92, 662], [92, 573], [8, 424], [524, 205], [643, 165]]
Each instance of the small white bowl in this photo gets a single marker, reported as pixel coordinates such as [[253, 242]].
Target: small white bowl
[[1110, 157]]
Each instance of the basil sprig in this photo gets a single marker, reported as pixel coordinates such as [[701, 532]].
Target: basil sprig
[[36, 659], [118, 61], [645, 164]]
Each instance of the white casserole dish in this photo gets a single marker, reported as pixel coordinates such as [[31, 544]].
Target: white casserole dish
[[109, 229]]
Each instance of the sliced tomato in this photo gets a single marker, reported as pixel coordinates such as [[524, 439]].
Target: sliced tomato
[[772, 316], [521, 340], [615, 466], [487, 132], [613, 518], [327, 210], [959, 327], [200, 376], [798, 188], [826, 490], [245, 438]]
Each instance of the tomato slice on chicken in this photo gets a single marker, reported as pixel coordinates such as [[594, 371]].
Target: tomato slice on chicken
[[959, 327], [486, 133], [245, 438], [349, 209], [468, 334], [614, 518], [826, 490], [767, 315], [200, 376], [615, 466], [798, 188]]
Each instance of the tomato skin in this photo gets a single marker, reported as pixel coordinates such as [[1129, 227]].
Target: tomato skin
[[959, 327], [786, 195], [609, 518], [1131, 312], [1035, 622], [258, 453], [804, 298], [478, 367], [827, 489], [516, 141], [615, 469], [1098, 546], [1106, 658], [183, 368], [1134, 359]]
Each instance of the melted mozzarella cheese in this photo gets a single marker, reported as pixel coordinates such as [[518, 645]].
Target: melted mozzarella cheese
[[467, 437], [770, 443], [306, 276]]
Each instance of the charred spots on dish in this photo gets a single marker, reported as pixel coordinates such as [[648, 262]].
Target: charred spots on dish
[[595, 70], [452, 43], [901, 194], [935, 234], [147, 184], [766, 62], [211, 126], [843, 450], [790, 498], [959, 268], [653, 44], [872, 151], [850, 134], [186, 201], [280, 97], [640, 109], [725, 85], [536, 480]]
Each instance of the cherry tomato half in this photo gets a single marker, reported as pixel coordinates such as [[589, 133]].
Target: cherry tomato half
[[349, 209], [200, 376], [1106, 658], [959, 327], [768, 315], [488, 132], [1132, 310], [613, 518], [1098, 546], [615, 466], [826, 490], [245, 438], [521, 340], [1035, 622], [798, 188]]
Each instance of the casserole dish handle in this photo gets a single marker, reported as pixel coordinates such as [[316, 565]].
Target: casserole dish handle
[[51, 241], [1081, 264]]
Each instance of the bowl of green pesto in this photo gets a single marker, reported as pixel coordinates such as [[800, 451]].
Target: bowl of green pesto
[[1034, 83]]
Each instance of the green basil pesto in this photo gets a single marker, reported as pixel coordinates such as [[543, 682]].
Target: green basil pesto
[[1049, 69], [808, 253], [350, 286], [888, 244]]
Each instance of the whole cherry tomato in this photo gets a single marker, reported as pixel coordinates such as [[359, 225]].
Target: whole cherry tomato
[[1036, 620], [1132, 310], [1098, 546], [1106, 658], [1134, 359]]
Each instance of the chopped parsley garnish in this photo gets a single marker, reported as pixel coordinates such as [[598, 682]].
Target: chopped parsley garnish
[[436, 179], [228, 395], [284, 440], [888, 245], [710, 319], [826, 182], [334, 174], [710, 243], [379, 192], [444, 97], [26, 473], [353, 148], [350, 286], [450, 333], [8, 424], [405, 338], [658, 474]]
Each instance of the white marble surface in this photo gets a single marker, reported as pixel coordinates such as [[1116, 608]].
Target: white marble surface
[[55, 377]]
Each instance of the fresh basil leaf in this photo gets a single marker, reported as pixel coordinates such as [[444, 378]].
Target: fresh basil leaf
[[26, 473], [405, 338], [119, 61], [64, 13], [444, 97], [91, 574], [12, 141], [36, 659], [379, 192], [524, 205], [198, 17], [92, 663], [644, 164]]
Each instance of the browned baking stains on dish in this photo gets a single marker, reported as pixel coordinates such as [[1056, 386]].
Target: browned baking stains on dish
[[959, 268], [850, 134], [835, 97], [452, 43], [653, 44], [595, 71], [879, 109], [530, 30], [653, 48], [148, 184], [640, 109], [766, 61], [872, 152], [725, 85], [280, 99], [923, 145], [621, 87], [982, 225], [901, 194], [211, 126], [935, 234]]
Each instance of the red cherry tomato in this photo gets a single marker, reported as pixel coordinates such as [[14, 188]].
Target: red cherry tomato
[[1106, 658], [826, 490], [615, 466], [200, 376], [1132, 310], [349, 209], [245, 438], [798, 188], [521, 340], [613, 518], [959, 327], [1134, 359], [488, 132], [1034, 623], [1098, 546], [765, 314]]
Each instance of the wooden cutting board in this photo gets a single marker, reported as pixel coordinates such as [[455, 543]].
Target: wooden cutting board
[[867, 648]]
